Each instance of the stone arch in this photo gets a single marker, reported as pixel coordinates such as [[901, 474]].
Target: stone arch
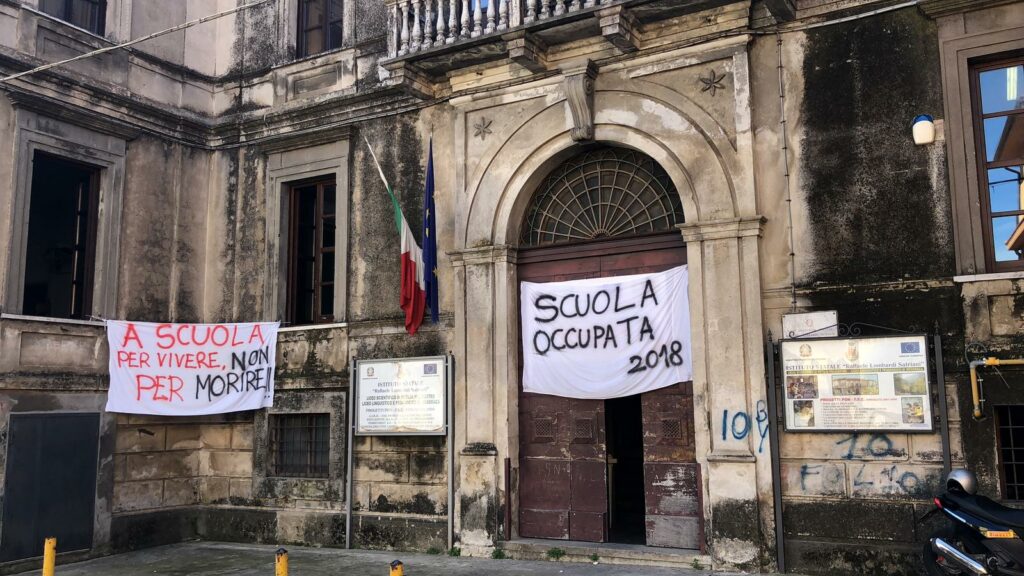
[[705, 178]]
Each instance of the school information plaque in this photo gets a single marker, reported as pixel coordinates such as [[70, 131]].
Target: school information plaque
[[402, 396], [845, 384]]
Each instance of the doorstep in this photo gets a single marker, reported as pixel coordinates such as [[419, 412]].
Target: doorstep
[[607, 553]]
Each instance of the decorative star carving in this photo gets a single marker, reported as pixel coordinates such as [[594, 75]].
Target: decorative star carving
[[713, 82], [482, 128]]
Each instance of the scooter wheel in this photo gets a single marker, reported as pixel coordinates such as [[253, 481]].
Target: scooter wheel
[[933, 565]]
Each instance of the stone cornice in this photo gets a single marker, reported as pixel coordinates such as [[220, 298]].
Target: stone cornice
[[721, 229], [483, 255], [939, 8]]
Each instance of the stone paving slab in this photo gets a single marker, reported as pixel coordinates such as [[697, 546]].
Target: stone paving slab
[[223, 559]]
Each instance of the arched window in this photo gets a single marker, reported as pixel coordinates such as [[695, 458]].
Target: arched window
[[602, 193]]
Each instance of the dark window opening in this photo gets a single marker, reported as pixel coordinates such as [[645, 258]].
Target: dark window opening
[[319, 26], [311, 253], [1010, 423], [300, 445], [87, 14], [61, 244], [999, 130]]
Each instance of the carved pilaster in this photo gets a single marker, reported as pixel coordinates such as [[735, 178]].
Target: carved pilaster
[[579, 92], [619, 26]]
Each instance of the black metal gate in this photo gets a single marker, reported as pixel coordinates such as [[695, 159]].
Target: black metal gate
[[50, 486]]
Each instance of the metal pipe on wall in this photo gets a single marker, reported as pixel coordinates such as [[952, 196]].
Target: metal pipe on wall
[[773, 445]]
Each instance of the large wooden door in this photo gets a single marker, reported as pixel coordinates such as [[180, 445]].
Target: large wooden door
[[563, 475]]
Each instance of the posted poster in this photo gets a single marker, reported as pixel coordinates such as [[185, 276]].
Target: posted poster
[[190, 369], [606, 337], [857, 384], [404, 396]]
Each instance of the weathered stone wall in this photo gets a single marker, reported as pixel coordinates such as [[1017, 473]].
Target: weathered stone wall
[[872, 240], [169, 462]]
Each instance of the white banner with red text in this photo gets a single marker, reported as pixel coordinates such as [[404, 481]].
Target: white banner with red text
[[190, 369], [606, 337]]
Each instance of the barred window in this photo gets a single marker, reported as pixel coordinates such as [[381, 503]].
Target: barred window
[[1010, 422], [300, 445]]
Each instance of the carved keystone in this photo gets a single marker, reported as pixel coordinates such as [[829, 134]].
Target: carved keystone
[[526, 50], [619, 26], [579, 92]]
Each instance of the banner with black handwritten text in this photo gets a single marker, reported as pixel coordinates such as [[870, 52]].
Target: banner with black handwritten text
[[190, 369], [606, 337]]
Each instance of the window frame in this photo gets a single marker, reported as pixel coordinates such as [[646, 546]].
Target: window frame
[[982, 165], [67, 12], [291, 300], [321, 422], [88, 280], [324, 24]]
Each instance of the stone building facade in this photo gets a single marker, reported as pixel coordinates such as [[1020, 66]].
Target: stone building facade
[[780, 129]]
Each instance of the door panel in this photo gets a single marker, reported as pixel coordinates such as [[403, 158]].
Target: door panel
[[672, 486], [563, 487], [50, 483]]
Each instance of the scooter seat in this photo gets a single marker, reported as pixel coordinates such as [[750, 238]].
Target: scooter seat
[[989, 510]]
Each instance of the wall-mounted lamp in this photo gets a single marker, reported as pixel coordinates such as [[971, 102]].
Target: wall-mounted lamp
[[924, 129]]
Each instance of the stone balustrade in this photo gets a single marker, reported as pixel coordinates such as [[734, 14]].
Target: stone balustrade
[[419, 25]]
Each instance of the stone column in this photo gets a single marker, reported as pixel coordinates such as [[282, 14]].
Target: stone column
[[728, 383], [483, 362]]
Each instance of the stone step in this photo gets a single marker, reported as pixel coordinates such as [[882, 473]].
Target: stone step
[[607, 553]]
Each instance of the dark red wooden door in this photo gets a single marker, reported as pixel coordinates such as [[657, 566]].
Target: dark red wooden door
[[672, 486], [563, 476]]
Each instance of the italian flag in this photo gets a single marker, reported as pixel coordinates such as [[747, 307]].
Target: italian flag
[[413, 296]]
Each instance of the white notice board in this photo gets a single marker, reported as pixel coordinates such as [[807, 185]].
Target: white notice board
[[401, 396], [853, 384]]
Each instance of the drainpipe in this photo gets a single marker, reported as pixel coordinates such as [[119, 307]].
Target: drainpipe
[[975, 392]]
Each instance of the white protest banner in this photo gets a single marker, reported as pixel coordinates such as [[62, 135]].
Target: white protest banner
[[190, 369], [606, 337]]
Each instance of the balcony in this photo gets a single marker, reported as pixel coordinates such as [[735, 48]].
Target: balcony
[[428, 39]]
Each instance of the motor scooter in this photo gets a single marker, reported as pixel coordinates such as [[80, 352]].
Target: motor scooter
[[983, 536]]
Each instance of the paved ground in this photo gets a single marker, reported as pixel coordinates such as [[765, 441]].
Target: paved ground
[[219, 559]]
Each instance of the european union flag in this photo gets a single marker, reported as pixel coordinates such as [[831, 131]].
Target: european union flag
[[430, 238]]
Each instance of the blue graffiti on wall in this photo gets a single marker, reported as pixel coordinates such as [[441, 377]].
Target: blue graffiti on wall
[[741, 423]]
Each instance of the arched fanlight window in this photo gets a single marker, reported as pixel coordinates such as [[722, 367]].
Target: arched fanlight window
[[602, 193]]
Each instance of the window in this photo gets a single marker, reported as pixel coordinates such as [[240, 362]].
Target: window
[[61, 243], [300, 445], [311, 253], [998, 105], [602, 192], [87, 14], [319, 26], [1010, 423]]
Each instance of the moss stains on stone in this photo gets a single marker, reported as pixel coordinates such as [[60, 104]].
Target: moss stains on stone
[[876, 214]]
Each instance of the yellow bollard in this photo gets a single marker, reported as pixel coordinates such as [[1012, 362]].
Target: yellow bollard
[[281, 565], [49, 556], [397, 569]]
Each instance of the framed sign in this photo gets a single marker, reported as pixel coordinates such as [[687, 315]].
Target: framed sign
[[852, 384], [401, 397]]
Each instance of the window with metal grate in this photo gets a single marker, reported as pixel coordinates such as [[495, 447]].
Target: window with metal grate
[[300, 445]]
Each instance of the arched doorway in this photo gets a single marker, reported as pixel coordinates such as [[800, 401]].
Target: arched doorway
[[624, 469]]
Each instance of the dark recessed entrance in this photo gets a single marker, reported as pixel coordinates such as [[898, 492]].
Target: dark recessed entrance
[[625, 470], [619, 470]]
